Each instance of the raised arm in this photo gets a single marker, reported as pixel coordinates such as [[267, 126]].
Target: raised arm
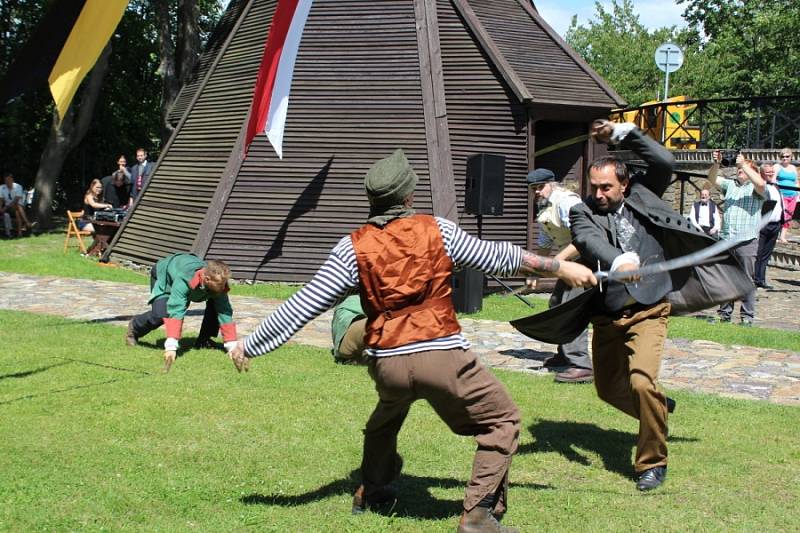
[[753, 175]]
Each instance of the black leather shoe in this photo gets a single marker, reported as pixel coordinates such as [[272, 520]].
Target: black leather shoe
[[652, 478], [671, 405]]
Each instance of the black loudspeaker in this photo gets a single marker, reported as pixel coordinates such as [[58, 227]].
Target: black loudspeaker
[[467, 290], [485, 176]]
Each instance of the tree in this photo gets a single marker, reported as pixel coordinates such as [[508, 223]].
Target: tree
[[753, 47], [618, 46], [126, 111], [65, 135]]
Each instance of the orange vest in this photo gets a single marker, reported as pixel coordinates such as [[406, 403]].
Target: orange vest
[[404, 277]]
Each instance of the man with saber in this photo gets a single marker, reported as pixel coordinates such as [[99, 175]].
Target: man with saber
[[624, 227]]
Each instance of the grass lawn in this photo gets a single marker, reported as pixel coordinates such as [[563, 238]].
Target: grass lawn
[[96, 438], [42, 255]]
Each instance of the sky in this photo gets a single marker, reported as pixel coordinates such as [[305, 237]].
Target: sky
[[558, 13], [652, 13]]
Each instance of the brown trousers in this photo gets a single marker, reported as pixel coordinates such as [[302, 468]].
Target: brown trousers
[[627, 353], [351, 347], [465, 395]]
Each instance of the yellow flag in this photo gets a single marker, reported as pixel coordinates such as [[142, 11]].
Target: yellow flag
[[92, 30]]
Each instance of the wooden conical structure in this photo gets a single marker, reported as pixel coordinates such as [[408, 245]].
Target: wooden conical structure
[[442, 79]]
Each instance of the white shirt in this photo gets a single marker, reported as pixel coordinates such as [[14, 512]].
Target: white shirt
[[774, 194], [8, 196], [703, 217]]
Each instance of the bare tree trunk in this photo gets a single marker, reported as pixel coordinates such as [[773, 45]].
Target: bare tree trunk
[[188, 39], [65, 136], [169, 79], [179, 55]]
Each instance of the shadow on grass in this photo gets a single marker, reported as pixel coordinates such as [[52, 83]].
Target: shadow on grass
[[414, 495], [568, 438], [69, 389], [26, 373], [120, 318]]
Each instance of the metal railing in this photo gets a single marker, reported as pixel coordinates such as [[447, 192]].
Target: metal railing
[[746, 122]]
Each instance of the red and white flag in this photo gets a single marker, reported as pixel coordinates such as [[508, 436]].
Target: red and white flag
[[271, 95]]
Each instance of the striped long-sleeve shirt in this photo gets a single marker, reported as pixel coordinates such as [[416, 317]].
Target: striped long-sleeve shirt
[[338, 277]]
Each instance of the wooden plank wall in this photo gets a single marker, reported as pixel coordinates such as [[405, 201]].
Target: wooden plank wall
[[484, 116], [355, 98], [169, 214], [549, 72]]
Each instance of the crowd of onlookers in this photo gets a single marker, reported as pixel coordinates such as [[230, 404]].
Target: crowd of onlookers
[[116, 191], [13, 203], [744, 196]]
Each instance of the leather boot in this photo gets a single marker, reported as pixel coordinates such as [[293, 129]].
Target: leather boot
[[481, 520], [130, 338], [381, 502]]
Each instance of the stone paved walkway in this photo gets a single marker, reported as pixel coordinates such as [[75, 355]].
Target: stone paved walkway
[[735, 371]]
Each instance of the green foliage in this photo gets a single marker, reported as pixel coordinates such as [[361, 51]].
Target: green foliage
[[96, 438], [127, 115], [732, 48], [755, 46], [618, 46]]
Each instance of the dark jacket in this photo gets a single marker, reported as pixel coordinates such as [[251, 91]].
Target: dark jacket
[[691, 288], [688, 289], [135, 170]]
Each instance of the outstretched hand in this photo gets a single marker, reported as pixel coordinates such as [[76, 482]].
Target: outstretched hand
[[602, 130], [576, 275], [240, 361]]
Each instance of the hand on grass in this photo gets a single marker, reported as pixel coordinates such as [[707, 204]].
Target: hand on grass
[[169, 358], [240, 361]]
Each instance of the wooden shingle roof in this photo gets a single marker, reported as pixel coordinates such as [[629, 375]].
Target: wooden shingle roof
[[535, 61]]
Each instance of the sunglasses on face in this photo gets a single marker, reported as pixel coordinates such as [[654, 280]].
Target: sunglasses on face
[[786, 156]]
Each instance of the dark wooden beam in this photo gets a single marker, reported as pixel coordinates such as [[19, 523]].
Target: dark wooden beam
[[440, 163], [490, 48]]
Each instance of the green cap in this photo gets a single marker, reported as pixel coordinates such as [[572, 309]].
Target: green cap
[[390, 181]]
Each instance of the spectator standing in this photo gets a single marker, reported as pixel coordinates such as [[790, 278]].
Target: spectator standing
[[554, 203], [744, 196], [117, 186], [140, 172], [786, 176], [705, 214], [12, 200], [769, 233]]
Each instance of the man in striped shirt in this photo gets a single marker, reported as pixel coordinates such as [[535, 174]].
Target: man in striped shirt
[[401, 263]]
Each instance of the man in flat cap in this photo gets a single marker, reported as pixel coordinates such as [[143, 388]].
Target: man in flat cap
[[401, 263], [554, 202]]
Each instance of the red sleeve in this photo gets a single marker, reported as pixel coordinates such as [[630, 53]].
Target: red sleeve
[[228, 331], [173, 327]]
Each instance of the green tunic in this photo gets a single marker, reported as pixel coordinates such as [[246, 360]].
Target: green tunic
[[173, 275], [345, 314]]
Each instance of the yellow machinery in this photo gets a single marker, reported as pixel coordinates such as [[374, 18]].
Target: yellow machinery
[[676, 134]]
